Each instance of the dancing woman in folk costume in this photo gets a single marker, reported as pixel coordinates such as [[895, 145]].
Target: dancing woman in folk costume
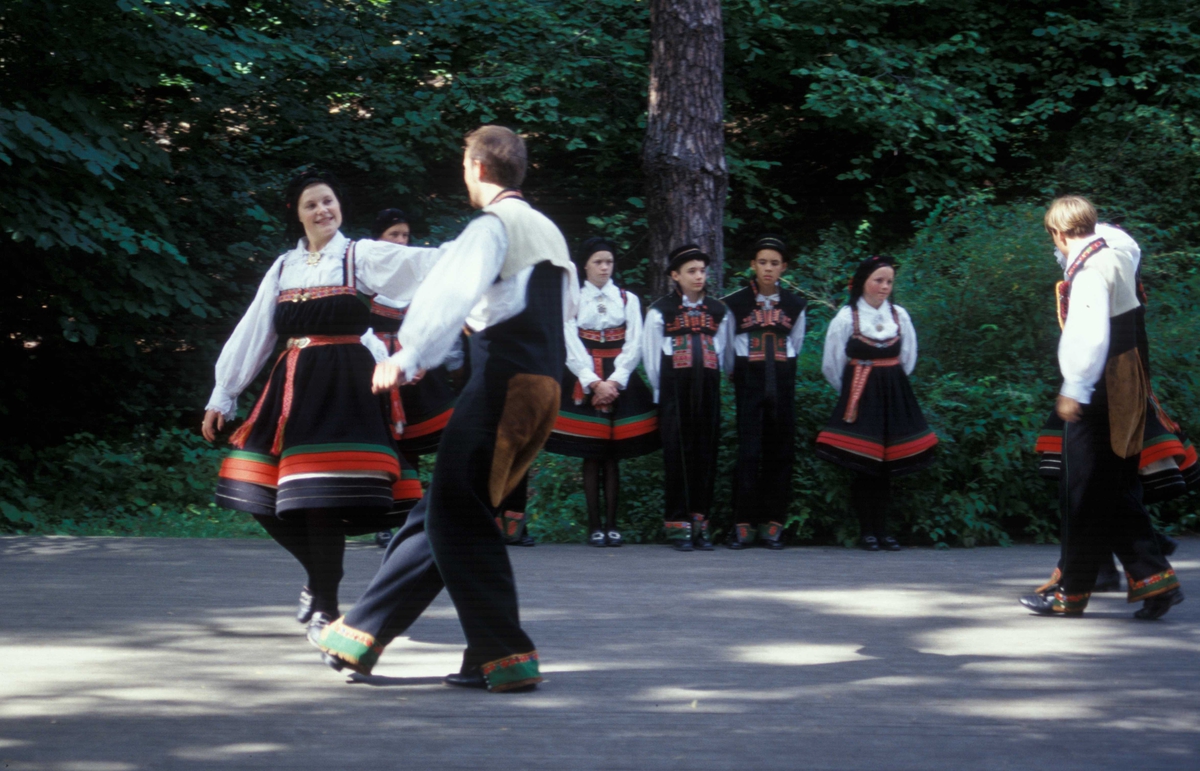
[[509, 277], [876, 430], [685, 346], [1103, 404], [768, 327], [607, 413], [1167, 464], [417, 412], [314, 460]]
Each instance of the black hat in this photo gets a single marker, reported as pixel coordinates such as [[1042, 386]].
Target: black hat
[[864, 271], [301, 182], [686, 253], [590, 247], [771, 241], [385, 219]]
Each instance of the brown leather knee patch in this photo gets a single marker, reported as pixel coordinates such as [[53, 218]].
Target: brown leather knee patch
[[1126, 384], [530, 408]]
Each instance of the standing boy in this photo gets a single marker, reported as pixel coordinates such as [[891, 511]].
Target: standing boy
[[1103, 404], [510, 278], [768, 327], [685, 345]]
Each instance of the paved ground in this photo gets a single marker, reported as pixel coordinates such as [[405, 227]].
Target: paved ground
[[180, 654]]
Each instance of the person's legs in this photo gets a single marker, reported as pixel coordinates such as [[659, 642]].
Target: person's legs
[[611, 487], [326, 547], [291, 534], [1083, 495], [591, 494]]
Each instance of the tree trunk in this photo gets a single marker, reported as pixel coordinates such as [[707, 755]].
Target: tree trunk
[[683, 156]]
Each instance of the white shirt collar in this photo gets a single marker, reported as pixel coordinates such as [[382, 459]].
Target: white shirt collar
[[335, 248], [609, 290], [864, 307], [689, 304]]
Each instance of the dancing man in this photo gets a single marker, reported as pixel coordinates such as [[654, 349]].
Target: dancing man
[[509, 276]]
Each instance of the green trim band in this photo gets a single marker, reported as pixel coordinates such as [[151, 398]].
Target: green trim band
[[511, 672], [243, 455], [305, 449], [1151, 585]]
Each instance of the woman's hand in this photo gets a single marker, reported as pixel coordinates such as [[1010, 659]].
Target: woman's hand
[[417, 377], [387, 376], [604, 392], [214, 422]]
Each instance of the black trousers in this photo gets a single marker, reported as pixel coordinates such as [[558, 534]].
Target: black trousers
[[451, 540], [1100, 496], [766, 427], [689, 418]]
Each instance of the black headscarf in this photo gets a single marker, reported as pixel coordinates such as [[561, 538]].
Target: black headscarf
[[385, 219], [590, 247], [865, 269], [296, 188]]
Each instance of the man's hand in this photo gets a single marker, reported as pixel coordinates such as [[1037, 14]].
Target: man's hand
[[387, 376], [214, 422], [1068, 409]]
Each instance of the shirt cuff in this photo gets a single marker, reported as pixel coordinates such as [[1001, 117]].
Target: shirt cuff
[[587, 379], [1077, 391], [621, 378], [223, 402], [407, 360]]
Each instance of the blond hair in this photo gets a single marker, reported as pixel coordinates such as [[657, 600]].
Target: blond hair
[[1072, 216]]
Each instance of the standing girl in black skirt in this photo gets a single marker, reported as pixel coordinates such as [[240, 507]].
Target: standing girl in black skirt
[[314, 461], [416, 412], [607, 412], [877, 429]]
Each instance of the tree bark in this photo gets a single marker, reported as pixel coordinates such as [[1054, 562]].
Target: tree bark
[[683, 156]]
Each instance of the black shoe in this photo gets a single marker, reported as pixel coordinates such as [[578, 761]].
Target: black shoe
[[1158, 605], [703, 544], [682, 544], [869, 543], [614, 538], [333, 662], [774, 545], [597, 539], [525, 540], [383, 538], [316, 625], [1043, 605], [887, 543], [735, 544], [1108, 579], [1166, 544], [467, 678], [304, 612]]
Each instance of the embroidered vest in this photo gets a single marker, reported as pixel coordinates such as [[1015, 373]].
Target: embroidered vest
[[767, 329], [691, 330]]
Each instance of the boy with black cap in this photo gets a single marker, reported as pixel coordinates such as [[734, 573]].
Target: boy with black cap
[[686, 340], [768, 328]]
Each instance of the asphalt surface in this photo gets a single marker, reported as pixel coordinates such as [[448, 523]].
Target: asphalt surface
[[123, 654]]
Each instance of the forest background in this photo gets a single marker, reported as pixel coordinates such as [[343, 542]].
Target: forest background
[[144, 145]]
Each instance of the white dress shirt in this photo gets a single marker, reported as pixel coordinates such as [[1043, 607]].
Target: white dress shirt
[[379, 267], [603, 308], [655, 344], [454, 360], [873, 323], [464, 287], [795, 338]]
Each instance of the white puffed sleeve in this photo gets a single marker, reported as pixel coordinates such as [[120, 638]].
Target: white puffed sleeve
[[1120, 241], [796, 336], [248, 348], [578, 360], [631, 353], [376, 346], [393, 270], [1083, 347], [723, 343], [833, 364], [908, 341], [652, 342]]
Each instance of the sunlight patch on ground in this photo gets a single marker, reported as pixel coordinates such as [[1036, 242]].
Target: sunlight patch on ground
[[875, 603], [1033, 637], [226, 751], [1075, 707], [797, 654]]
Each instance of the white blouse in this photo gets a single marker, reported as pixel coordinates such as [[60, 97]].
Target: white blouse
[[655, 345], [379, 267], [873, 323], [795, 338], [603, 308]]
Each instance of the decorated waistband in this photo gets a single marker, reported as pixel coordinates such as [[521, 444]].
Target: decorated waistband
[[603, 335], [313, 293], [862, 370], [387, 311]]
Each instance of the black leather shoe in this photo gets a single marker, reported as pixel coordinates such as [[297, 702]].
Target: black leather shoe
[[774, 545], [525, 540], [887, 543], [316, 625], [1108, 579], [304, 612], [869, 543], [468, 678], [1157, 606], [597, 539], [333, 662], [682, 544], [1043, 605], [383, 538], [703, 544]]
